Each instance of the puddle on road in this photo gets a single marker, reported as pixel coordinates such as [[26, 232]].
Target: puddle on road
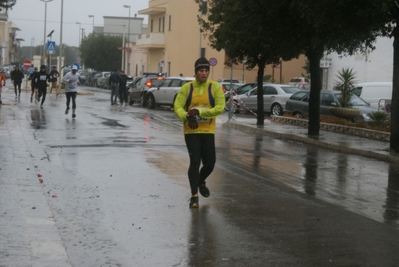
[[113, 123]]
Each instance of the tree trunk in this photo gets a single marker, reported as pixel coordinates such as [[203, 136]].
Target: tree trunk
[[261, 114], [314, 58], [394, 140]]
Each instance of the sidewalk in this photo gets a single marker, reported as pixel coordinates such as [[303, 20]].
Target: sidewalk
[[328, 140]]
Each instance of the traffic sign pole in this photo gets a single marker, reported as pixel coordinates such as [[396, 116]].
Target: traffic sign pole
[[213, 61]]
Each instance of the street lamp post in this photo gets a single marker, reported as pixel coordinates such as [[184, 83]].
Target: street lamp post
[[61, 48], [79, 32], [45, 24], [92, 16], [128, 39]]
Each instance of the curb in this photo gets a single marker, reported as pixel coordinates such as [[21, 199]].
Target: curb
[[383, 156]]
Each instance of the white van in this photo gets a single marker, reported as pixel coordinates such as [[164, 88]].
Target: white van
[[374, 92]]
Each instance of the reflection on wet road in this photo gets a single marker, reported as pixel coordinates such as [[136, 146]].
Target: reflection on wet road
[[120, 179]]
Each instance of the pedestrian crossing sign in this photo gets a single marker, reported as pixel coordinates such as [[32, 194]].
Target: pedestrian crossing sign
[[50, 49]]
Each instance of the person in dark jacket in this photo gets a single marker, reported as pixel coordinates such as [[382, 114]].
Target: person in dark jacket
[[40, 79], [32, 85], [122, 88], [54, 74], [16, 78], [114, 81]]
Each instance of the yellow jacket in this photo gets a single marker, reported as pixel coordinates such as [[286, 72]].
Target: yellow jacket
[[210, 113]]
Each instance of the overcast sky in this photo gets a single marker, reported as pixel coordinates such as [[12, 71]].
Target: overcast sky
[[28, 16]]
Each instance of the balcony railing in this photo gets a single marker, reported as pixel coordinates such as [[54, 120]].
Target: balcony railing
[[152, 40]]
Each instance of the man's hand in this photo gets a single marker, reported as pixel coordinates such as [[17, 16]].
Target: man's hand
[[192, 122], [193, 112]]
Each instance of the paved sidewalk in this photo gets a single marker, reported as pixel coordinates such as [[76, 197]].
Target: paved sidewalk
[[348, 144]]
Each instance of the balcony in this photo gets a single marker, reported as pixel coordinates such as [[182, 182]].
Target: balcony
[[3, 17], [152, 40]]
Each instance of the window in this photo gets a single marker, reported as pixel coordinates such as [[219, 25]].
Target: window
[[268, 90], [175, 83], [166, 83], [204, 7], [327, 100], [202, 52], [299, 95], [163, 24], [170, 22], [152, 25]]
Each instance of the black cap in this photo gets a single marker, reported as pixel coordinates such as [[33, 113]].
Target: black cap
[[43, 66], [201, 63]]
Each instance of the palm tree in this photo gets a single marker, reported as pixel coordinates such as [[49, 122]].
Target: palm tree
[[346, 80]]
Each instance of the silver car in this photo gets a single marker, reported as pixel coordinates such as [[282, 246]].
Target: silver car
[[165, 93], [274, 98]]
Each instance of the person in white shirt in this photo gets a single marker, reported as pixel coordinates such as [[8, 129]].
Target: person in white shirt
[[72, 80]]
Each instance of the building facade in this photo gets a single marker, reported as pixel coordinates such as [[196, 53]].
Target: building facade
[[369, 65], [173, 42], [9, 43]]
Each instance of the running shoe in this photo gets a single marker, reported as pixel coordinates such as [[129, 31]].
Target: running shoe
[[204, 191], [73, 115], [66, 111], [194, 203]]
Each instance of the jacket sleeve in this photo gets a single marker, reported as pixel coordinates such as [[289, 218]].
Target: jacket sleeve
[[220, 102], [66, 77], [180, 102]]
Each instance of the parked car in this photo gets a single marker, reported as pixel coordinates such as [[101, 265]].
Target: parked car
[[7, 71], [274, 98], [94, 79], [296, 80], [241, 90], [83, 76], [374, 93], [90, 78], [165, 93], [102, 79], [228, 80], [302, 85], [65, 70], [226, 86], [298, 104], [139, 88]]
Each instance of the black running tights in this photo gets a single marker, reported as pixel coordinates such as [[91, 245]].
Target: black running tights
[[201, 148]]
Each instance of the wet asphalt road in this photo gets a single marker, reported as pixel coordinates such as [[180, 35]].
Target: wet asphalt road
[[115, 193]]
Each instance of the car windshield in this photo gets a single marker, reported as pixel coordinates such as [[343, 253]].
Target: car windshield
[[243, 89], [289, 89], [107, 74], [228, 86], [355, 101]]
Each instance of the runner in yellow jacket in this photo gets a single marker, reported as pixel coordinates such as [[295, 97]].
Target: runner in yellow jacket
[[197, 105]]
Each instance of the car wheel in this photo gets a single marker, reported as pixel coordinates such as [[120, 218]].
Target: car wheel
[[131, 102], [142, 99], [277, 110], [150, 101]]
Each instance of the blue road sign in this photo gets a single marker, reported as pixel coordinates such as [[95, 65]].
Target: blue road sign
[[75, 64], [50, 48]]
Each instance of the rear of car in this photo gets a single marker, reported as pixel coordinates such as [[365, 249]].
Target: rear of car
[[139, 88], [165, 93], [102, 80]]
